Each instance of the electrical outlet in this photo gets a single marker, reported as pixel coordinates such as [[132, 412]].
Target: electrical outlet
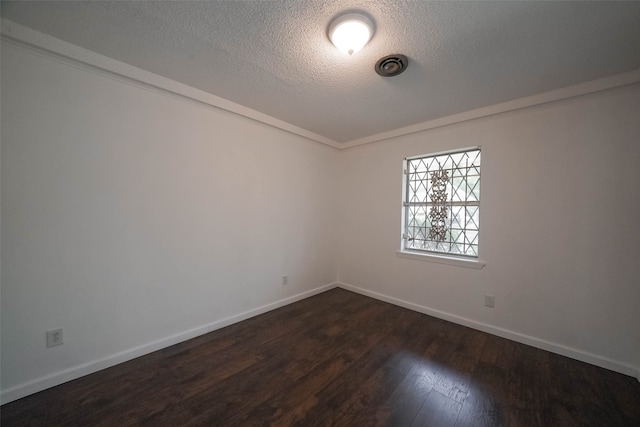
[[285, 280], [54, 337], [489, 300]]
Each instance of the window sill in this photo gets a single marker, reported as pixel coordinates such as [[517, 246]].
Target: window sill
[[443, 259]]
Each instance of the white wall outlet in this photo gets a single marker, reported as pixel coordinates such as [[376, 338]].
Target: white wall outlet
[[54, 337], [489, 300], [285, 280]]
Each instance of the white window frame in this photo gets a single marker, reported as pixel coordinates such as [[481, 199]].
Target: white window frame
[[423, 254]]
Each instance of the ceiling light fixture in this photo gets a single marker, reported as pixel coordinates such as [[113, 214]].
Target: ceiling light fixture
[[350, 32]]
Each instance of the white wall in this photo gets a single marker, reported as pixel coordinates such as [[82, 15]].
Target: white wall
[[133, 219], [130, 215], [560, 227]]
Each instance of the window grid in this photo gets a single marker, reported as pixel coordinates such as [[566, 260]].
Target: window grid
[[442, 203]]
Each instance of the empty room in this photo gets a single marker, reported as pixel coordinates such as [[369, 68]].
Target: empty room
[[320, 213]]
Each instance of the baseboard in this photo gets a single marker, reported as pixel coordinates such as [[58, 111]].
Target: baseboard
[[66, 375], [573, 353]]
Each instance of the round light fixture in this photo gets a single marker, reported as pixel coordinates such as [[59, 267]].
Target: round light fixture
[[350, 32]]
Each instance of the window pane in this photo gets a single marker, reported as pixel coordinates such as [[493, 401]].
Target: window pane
[[443, 203]]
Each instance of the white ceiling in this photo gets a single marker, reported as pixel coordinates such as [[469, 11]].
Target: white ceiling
[[275, 57]]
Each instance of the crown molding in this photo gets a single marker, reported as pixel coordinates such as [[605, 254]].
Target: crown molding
[[593, 86], [32, 40]]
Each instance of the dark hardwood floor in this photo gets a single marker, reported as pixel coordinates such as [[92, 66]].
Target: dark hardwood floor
[[340, 359]]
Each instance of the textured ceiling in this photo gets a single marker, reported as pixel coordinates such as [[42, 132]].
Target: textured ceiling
[[275, 57]]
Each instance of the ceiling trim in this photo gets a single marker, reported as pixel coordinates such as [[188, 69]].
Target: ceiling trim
[[593, 86], [30, 39], [22, 36]]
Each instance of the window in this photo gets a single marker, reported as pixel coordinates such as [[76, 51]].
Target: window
[[442, 203]]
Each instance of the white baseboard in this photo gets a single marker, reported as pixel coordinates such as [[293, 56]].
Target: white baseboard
[[60, 377], [573, 353]]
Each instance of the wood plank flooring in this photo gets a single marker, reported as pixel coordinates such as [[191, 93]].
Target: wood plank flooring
[[340, 359]]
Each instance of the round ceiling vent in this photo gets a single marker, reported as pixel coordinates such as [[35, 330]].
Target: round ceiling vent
[[391, 65]]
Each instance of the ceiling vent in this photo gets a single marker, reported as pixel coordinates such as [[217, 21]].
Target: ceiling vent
[[391, 65]]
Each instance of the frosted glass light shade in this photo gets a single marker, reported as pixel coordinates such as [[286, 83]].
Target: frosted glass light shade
[[351, 32]]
